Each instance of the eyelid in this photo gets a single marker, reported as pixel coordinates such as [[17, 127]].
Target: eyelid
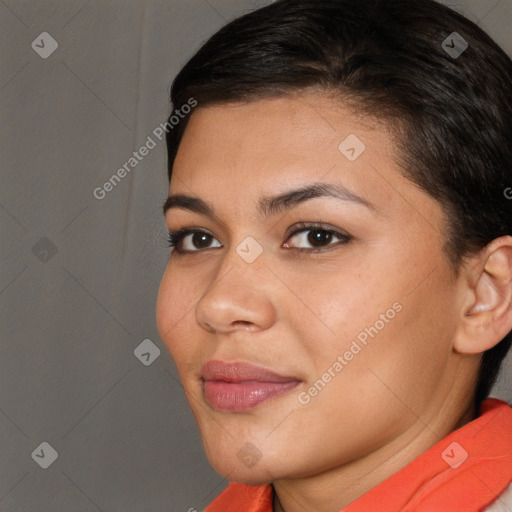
[[316, 226]]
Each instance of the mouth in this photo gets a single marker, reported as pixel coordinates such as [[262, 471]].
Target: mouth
[[242, 386]]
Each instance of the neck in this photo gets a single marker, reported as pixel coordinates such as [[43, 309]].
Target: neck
[[333, 490]]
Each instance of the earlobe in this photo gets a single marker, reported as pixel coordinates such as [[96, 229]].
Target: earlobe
[[488, 317]]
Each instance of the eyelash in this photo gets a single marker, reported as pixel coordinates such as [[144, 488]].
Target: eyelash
[[175, 237]]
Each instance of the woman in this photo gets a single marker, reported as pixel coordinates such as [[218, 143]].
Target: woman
[[338, 295]]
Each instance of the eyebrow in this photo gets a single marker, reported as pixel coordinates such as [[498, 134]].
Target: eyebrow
[[273, 205]]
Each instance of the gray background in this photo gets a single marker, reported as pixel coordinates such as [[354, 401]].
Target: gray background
[[79, 275]]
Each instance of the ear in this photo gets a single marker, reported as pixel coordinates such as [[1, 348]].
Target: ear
[[487, 302]]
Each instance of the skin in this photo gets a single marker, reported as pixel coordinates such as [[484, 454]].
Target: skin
[[295, 312]]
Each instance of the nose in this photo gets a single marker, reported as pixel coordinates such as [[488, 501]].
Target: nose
[[240, 298]]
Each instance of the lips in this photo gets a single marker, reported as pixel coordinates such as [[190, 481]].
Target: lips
[[241, 386]]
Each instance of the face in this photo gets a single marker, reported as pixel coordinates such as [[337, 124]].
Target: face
[[311, 331]]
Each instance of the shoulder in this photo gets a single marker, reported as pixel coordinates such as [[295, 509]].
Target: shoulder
[[503, 502], [237, 497]]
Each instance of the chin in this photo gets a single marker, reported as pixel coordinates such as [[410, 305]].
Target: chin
[[256, 475], [231, 465]]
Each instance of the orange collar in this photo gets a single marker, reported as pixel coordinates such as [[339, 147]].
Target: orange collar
[[464, 472]]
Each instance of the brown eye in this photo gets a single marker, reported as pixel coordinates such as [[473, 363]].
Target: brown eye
[[201, 240], [182, 242], [317, 237]]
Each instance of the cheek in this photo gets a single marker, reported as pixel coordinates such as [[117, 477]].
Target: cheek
[[174, 304], [164, 309], [405, 350], [348, 301], [394, 325]]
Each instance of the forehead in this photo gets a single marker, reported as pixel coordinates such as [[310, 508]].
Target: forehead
[[275, 137], [234, 154], [299, 125]]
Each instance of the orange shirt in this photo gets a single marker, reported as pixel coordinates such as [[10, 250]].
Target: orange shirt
[[464, 472]]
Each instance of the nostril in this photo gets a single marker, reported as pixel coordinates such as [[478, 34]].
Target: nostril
[[245, 323]]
